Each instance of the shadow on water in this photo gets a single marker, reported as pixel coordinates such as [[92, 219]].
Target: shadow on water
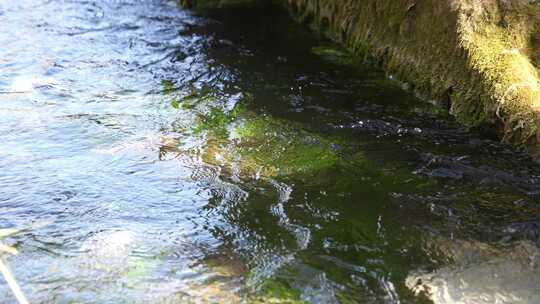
[[238, 157]]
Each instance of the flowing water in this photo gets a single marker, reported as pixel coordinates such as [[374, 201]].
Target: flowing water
[[149, 155]]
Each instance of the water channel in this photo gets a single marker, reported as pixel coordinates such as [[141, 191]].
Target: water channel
[[151, 155]]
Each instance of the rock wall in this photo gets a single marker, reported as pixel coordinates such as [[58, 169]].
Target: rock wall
[[477, 57]]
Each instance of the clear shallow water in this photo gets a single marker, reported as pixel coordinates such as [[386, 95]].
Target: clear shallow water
[[149, 155]]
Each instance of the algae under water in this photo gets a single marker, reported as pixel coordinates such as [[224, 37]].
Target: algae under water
[[149, 155]]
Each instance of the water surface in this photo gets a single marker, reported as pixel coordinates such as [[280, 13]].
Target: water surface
[[148, 155]]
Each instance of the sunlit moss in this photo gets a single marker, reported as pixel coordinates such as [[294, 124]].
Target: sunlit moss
[[175, 103], [261, 145], [279, 148], [500, 55]]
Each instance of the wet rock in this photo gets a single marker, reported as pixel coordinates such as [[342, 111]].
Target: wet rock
[[482, 274]]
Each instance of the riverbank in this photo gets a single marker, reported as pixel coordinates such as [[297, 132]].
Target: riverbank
[[478, 60]]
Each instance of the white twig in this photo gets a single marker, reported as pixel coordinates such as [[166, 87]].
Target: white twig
[[12, 283], [8, 249]]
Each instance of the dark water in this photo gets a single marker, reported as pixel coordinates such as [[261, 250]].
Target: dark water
[[148, 155]]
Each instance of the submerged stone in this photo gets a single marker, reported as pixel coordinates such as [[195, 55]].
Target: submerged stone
[[482, 274]]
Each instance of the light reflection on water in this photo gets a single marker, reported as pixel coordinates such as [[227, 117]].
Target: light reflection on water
[[149, 155]]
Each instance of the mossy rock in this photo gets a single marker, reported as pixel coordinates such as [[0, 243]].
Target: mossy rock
[[478, 58]]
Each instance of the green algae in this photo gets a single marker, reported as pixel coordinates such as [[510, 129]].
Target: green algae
[[282, 150], [215, 121], [168, 86], [270, 147], [257, 146]]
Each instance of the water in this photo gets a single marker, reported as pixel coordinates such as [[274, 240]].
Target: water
[[148, 155]]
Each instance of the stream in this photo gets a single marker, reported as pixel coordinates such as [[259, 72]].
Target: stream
[[152, 155]]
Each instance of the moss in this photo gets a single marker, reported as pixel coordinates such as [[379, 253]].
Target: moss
[[501, 54], [168, 86], [216, 120], [246, 145]]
